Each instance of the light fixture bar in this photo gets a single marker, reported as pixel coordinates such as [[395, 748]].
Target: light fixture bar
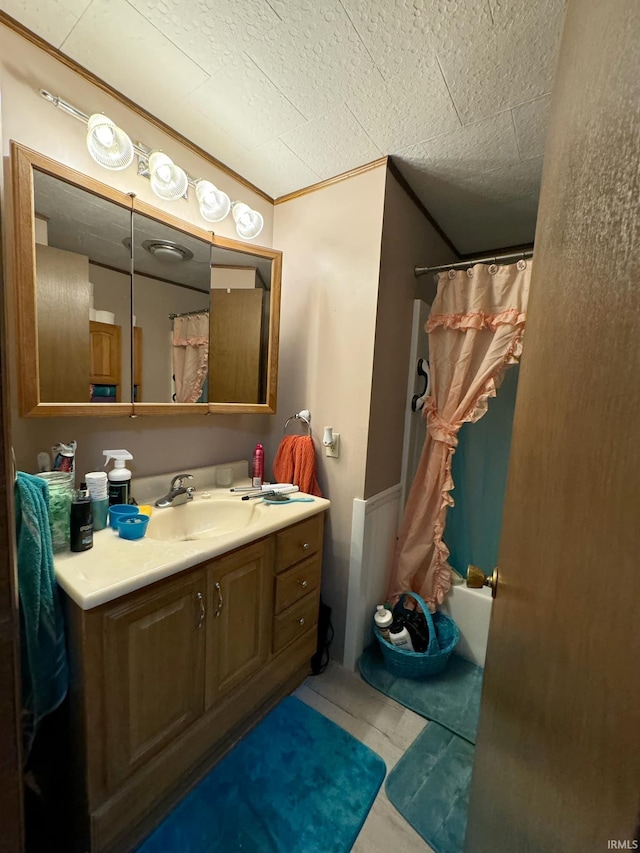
[[64, 106], [111, 148]]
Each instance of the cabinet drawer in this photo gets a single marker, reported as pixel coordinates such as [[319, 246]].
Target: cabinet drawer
[[297, 542], [296, 582], [295, 621]]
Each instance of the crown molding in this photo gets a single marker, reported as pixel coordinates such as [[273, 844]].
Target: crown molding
[[344, 176]]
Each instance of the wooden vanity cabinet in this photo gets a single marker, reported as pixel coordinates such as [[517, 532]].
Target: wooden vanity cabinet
[[166, 679]]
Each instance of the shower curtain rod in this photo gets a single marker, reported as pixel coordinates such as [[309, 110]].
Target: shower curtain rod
[[486, 259], [188, 313]]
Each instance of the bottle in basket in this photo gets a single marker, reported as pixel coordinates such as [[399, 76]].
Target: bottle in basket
[[400, 637], [383, 619]]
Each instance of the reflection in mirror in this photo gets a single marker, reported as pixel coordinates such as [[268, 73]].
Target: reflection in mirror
[[83, 294], [239, 328], [171, 305]]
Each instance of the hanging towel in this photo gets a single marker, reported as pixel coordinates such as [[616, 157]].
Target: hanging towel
[[44, 657], [295, 463]]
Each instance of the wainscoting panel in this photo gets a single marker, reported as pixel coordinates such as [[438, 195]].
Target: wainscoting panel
[[374, 531]]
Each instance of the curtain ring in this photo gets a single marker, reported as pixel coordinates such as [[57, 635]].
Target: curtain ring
[[470, 272], [493, 269], [451, 273], [521, 265]]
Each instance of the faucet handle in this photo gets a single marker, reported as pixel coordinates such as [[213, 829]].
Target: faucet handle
[[176, 483]]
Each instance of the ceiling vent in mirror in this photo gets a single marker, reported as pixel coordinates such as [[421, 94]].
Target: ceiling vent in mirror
[[166, 251]]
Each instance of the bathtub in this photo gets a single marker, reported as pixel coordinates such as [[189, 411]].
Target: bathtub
[[470, 609]]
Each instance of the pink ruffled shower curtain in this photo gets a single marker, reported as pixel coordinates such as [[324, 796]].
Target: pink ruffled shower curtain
[[190, 356], [475, 331]]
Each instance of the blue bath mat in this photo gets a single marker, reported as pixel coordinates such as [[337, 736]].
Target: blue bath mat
[[451, 698], [429, 786], [297, 783]]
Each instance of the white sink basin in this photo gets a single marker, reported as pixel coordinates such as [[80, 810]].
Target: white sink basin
[[204, 519]]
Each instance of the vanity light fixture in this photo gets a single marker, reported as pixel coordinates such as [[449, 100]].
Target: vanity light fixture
[[168, 181], [111, 148], [249, 223], [214, 204], [108, 144]]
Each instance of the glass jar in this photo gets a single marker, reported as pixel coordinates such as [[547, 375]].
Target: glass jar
[[60, 497]]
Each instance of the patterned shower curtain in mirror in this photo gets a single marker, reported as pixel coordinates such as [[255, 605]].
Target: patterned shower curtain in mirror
[[475, 332], [190, 356]]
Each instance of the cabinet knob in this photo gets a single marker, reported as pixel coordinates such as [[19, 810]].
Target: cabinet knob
[[301, 621], [304, 584], [305, 546]]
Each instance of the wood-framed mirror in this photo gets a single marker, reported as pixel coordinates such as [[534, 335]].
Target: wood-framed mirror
[[123, 309]]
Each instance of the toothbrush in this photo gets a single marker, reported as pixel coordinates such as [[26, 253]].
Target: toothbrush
[[282, 490]]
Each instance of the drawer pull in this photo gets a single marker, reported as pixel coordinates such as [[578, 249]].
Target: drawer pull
[[304, 584], [202, 613], [305, 546], [301, 621], [220, 601]]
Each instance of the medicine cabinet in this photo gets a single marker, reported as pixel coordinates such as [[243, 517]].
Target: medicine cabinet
[[123, 309]]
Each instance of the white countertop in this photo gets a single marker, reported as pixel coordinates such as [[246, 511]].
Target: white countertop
[[115, 566]]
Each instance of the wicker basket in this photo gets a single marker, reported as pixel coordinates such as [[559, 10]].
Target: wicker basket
[[443, 638]]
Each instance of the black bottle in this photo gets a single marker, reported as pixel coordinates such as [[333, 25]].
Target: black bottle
[[81, 521]]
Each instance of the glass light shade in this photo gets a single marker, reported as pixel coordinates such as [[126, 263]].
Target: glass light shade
[[249, 223], [168, 181], [214, 204], [108, 144]]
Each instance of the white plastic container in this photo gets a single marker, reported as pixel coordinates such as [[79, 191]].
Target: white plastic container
[[119, 477], [401, 639], [383, 619]]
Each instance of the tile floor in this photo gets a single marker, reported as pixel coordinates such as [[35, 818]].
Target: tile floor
[[385, 726]]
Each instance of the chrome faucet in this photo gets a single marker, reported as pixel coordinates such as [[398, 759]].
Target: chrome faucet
[[177, 493]]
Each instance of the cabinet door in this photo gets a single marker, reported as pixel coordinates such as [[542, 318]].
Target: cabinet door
[[240, 607], [154, 645], [105, 354]]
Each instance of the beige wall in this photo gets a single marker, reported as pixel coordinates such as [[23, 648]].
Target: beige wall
[[408, 239], [158, 444], [233, 277], [331, 255]]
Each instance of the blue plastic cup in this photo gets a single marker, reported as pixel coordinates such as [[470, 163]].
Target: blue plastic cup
[[132, 526], [118, 511]]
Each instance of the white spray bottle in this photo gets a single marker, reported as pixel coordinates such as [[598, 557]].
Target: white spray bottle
[[119, 477]]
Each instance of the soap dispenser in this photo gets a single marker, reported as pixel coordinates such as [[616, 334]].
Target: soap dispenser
[[119, 477]]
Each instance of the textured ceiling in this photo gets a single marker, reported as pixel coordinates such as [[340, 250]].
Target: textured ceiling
[[291, 92]]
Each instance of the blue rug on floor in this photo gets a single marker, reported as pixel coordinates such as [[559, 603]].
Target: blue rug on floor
[[429, 786], [297, 783], [451, 698]]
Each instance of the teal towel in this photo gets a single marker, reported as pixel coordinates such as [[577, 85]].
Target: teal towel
[[44, 656]]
